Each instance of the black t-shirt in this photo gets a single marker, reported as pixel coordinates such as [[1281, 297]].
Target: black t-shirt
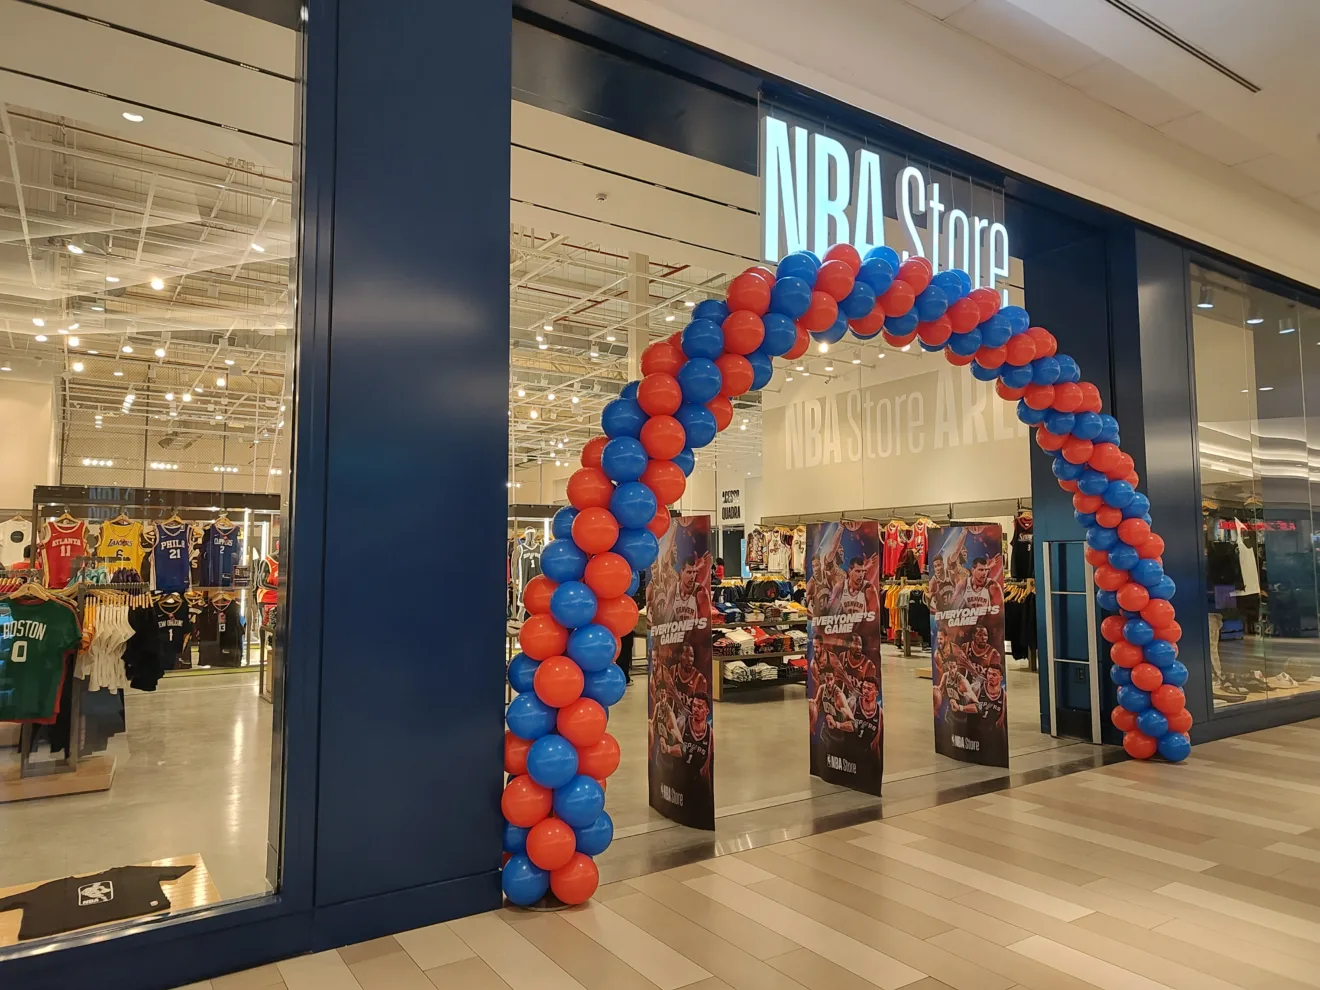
[[77, 902], [220, 629]]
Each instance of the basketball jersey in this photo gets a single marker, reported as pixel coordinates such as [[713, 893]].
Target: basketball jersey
[[64, 541], [220, 550], [695, 750], [852, 602], [855, 673], [270, 596], [35, 638], [1022, 562], [685, 608], [895, 544], [169, 557], [866, 727], [990, 708], [976, 597], [989, 657], [121, 546], [917, 543]]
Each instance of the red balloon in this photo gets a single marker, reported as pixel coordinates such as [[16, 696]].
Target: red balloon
[[736, 374], [525, 802], [582, 723], [1170, 633], [870, 324], [1107, 515], [1110, 578], [1021, 350], [1096, 558], [1147, 676], [588, 487], [1134, 531], [894, 340], [577, 881], [1067, 397], [666, 480], [1006, 393], [1076, 451], [743, 332], [1168, 699], [551, 844], [897, 300], [541, 636], [917, 273], [765, 273], [992, 357], [1139, 746], [659, 394], [591, 451], [1087, 503], [604, 783], [987, 302], [618, 615], [936, 333], [536, 595], [847, 254], [1125, 464], [749, 291], [595, 530], [1104, 456], [659, 524], [821, 313], [599, 760], [1159, 613], [1112, 628], [1124, 720], [558, 681], [1046, 345], [835, 280], [608, 576], [1046, 440], [1039, 396], [662, 358], [722, 409], [1132, 597], [1068, 486], [800, 345], [676, 339], [958, 360], [663, 437], [1090, 397], [964, 314], [1133, 479], [1180, 721], [515, 753]]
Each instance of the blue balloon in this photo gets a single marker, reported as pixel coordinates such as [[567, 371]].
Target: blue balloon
[[979, 373], [1153, 723], [594, 839], [1164, 588], [1159, 652], [1065, 471], [1146, 572], [1133, 698], [573, 604], [686, 460], [964, 278], [1017, 318], [633, 584], [934, 348], [1129, 615], [561, 526], [579, 802], [622, 418], [901, 326], [1084, 519], [888, 254], [1016, 376], [700, 380], [592, 647], [1102, 538], [833, 334], [1174, 746], [965, 344], [1059, 423], [624, 458], [1044, 371], [859, 335], [633, 504], [715, 310], [1137, 508], [515, 839], [1107, 601], [1092, 482], [605, 686], [703, 338], [562, 560], [1123, 556], [780, 334], [996, 331], [859, 302], [1086, 425], [629, 391], [522, 670], [1068, 369], [698, 423], [931, 303], [1030, 416], [878, 273], [1118, 494], [762, 370], [529, 717], [950, 284], [799, 264], [552, 761], [1120, 675], [637, 546], [1175, 674], [1138, 632], [790, 297], [1108, 429], [524, 882]]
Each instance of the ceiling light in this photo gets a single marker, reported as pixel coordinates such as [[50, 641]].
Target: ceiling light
[[575, 400], [1255, 317], [1266, 388], [74, 326], [229, 361], [670, 318], [281, 409], [127, 348], [542, 347], [824, 348], [157, 284], [78, 366], [533, 414], [788, 378], [547, 328], [173, 414], [522, 393], [611, 338], [135, 118], [594, 352], [743, 427], [74, 341], [1286, 325], [98, 309], [856, 360], [41, 338], [220, 382], [1206, 300], [5, 367], [169, 396], [198, 389], [219, 416], [187, 397], [829, 367], [258, 248], [160, 352], [37, 321], [799, 368], [905, 348], [881, 355], [539, 338], [63, 332], [689, 303], [74, 249], [93, 352], [551, 396], [560, 445], [111, 278], [556, 464], [806, 374], [119, 372]]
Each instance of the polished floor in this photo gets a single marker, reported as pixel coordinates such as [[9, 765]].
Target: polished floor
[[1204, 876]]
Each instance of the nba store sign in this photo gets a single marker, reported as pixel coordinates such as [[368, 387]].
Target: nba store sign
[[818, 190]]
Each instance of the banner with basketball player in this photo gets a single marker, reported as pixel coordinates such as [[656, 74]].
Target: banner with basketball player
[[969, 687], [680, 736], [845, 703]]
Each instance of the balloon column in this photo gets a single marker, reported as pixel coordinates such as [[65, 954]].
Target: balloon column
[[556, 751]]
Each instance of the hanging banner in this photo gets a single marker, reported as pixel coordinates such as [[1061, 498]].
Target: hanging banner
[[970, 690], [681, 741], [845, 704]]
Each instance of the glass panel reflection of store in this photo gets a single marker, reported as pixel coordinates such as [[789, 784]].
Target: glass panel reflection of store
[[1258, 395]]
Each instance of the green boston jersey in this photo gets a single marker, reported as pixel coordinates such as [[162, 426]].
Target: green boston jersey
[[35, 637]]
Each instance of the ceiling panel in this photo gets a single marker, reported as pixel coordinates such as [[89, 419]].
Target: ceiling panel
[[1129, 93], [1286, 176], [941, 8], [1203, 133], [1000, 23]]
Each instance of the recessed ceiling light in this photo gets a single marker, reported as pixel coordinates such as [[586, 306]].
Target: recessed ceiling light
[[78, 366], [38, 321], [119, 372], [829, 367], [542, 347], [93, 352], [111, 278], [169, 396], [689, 303], [98, 309], [74, 341], [611, 338], [229, 361], [670, 318], [533, 414], [258, 248], [160, 352], [187, 397], [551, 396], [220, 382], [824, 348], [40, 338], [127, 348], [547, 328], [158, 284], [522, 392], [905, 348], [575, 400], [856, 360], [129, 115], [74, 249]]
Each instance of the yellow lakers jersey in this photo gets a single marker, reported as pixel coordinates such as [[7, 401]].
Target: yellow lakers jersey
[[121, 546]]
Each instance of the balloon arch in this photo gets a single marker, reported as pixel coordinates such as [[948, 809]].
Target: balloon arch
[[557, 752]]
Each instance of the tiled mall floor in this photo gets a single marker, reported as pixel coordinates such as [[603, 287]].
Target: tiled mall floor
[[1130, 877]]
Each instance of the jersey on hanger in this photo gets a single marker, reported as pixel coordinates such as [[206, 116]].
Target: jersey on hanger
[[121, 546], [35, 639], [221, 548], [895, 542], [917, 543], [169, 557], [78, 902], [64, 541]]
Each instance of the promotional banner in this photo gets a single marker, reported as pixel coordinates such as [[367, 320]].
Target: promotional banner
[[970, 690], [843, 654], [681, 741]]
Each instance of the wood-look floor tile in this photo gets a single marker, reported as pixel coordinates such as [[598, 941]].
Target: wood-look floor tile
[[261, 978], [1234, 907], [392, 971], [689, 872], [1097, 972], [580, 956], [362, 951], [666, 968], [710, 983], [1187, 784], [1027, 973], [889, 830], [1280, 971], [736, 869], [433, 946], [1249, 782], [888, 866], [466, 974], [1199, 809], [609, 891], [729, 925], [519, 963], [320, 971], [1120, 819], [1274, 891], [818, 973]]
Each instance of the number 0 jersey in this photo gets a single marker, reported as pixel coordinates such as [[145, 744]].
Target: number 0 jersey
[[35, 638]]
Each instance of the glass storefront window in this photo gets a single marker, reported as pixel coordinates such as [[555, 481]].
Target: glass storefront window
[[1257, 392]]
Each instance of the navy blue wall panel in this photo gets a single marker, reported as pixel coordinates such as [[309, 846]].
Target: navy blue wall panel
[[412, 664]]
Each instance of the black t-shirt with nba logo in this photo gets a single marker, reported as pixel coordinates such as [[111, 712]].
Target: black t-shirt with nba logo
[[77, 902]]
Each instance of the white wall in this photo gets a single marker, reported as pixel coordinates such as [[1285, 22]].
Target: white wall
[[892, 60], [25, 450]]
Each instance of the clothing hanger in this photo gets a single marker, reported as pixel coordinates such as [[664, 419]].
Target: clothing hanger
[[223, 521]]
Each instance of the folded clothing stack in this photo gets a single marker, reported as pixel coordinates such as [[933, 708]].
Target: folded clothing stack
[[724, 647], [764, 672], [744, 640], [736, 670]]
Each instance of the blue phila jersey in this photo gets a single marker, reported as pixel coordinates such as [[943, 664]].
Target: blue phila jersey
[[221, 549], [169, 557]]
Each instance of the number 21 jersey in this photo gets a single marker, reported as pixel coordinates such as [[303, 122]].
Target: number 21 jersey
[[169, 557]]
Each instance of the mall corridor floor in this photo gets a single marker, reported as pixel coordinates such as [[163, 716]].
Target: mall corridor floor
[[1203, 876]]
